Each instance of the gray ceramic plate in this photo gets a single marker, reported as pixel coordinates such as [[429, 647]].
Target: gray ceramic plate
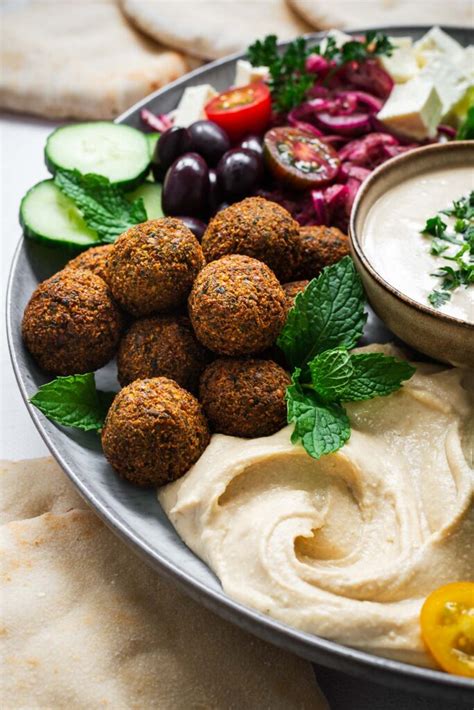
[[134, 514]]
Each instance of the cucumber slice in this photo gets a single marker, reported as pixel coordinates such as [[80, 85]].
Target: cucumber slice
[[49, 216], [151, 194], [118, 152], [152, 139]]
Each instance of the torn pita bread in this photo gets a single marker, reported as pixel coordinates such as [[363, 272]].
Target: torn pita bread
[[210, 29], [81, 60], [86, 624], [324, 15]]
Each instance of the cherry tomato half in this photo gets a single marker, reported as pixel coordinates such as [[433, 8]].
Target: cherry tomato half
[[243, 110], [447, 627], [300, 159]]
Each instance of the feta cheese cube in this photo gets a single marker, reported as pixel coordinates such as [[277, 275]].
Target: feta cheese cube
[[413, 109], [436, 41], [191, 106], [401, 65], [465, 63], [450, 82], [245, 73]]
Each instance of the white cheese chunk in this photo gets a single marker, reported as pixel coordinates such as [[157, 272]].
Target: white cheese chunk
[[401, 65], [245, 73], [191, 106], [465, 63], [451, 83], [436, 41], [413, 109]]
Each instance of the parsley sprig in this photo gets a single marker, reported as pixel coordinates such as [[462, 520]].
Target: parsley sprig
[[326, 321], [460, 272], [289, 80]]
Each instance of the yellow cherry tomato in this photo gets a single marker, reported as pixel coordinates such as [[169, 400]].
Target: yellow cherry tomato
[[447, 627]]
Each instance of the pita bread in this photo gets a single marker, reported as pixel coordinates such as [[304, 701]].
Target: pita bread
[[210, 29], [378, 13], [87, 624], [33, 487], [81, 60]]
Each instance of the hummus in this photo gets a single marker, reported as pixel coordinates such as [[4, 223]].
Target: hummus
[[349, 546], [397, 250]]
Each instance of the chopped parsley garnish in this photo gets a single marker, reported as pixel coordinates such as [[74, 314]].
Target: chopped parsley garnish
[[289, 80], [461, 272], [326, 321]]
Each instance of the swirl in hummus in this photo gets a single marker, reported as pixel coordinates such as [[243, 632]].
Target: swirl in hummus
[[349, 546]]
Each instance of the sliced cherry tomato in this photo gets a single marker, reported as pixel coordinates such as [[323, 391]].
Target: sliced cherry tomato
[[243, 110], [299, 158], [447, 627]]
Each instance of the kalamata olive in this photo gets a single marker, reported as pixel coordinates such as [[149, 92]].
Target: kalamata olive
[[215, 192], [172, 143], [209, 140], [197, 226], [157, 169], [222, 206], [252, 142], [186, 186], [239, 171]]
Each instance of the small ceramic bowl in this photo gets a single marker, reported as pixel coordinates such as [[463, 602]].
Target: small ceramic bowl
[[442, 337]]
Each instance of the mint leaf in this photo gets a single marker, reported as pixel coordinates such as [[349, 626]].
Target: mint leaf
[[103, 205], [328, 314], [375, 375], [331, 373], [339, 376], [321, 427], [74, 401]]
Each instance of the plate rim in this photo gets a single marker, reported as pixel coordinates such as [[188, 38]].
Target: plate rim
[[346, 659]]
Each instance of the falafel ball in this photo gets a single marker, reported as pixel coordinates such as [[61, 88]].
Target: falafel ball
[[319, 246], [94, 259], [154, 432], [244, 397], [71, 324], [162, 346], [152, 266], [237, 306], [292, 289], [258, 228]]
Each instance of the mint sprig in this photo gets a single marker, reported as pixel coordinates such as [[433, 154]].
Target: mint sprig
[[104, 206], [328, 314], [325, 322], [74, 401]]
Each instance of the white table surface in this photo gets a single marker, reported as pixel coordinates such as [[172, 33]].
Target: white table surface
[[21, 156]]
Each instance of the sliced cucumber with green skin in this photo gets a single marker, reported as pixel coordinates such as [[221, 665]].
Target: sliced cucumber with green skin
[[118, 152], [49, 216], [151, 194], [152, 139]]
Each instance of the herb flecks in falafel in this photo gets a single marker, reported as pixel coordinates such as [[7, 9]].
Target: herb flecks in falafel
[[244, 397], [152, 266], [71, 324], [319, 246], [237, 306], [162, 346], [258, 228], [94, 259], [154, 432]]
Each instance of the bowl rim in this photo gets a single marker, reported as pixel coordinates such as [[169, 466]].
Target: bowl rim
[[386, 168]]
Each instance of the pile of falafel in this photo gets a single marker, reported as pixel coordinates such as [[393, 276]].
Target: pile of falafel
[[193, 326]]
